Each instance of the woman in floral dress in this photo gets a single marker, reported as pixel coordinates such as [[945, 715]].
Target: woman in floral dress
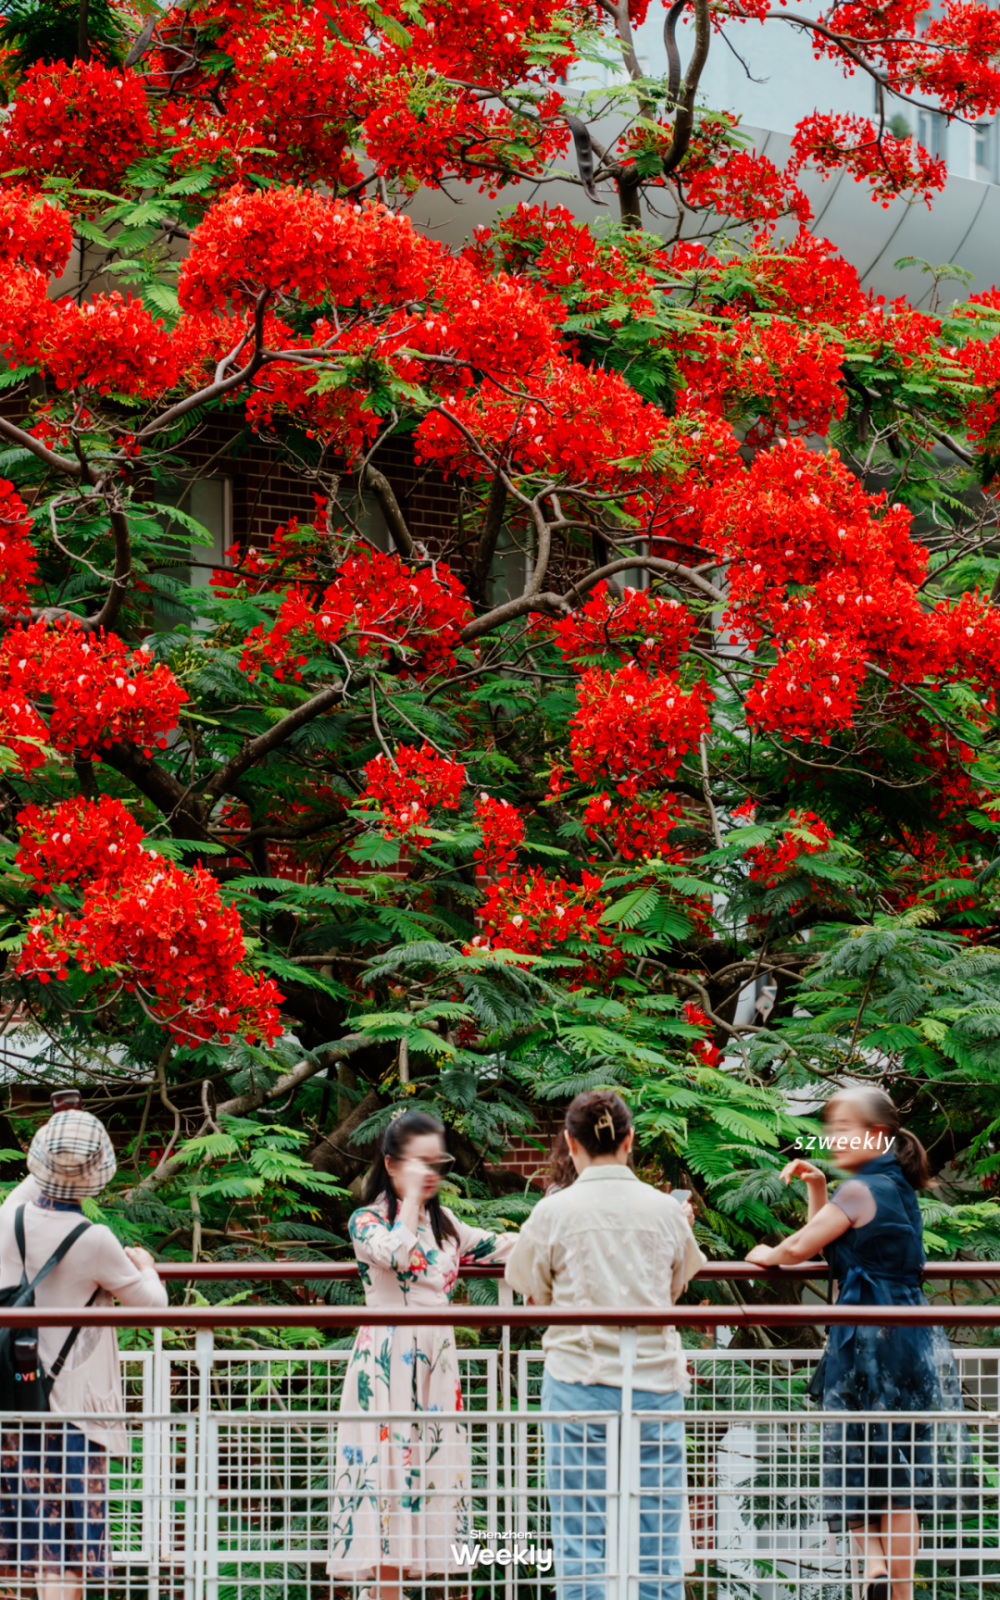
[[402, 1489]]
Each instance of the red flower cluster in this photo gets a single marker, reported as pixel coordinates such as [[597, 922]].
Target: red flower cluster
[[33, 232], [78, 841], [810, 691], [110, 344], [892, 166], [18, 566], [387, 608], [628, 725], [299, 242], [748, 188], [503, 833], [702, 1049], [807, 835], [527, 912], [99, 691], [645, 627], [789, 377], [638, 827], [407, 793], [86, 122], [175, 945]]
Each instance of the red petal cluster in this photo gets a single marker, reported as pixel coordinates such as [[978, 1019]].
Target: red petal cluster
[[296, 241], [648, 628], [407, 793], [628, 725], [704, 1050], [86, 122], [78, 841], [503, 832], [99, 690], [383, 606], [110, 344], [529, 913], [891, 166], [18, 567], [33, 232], [807, 835], [636, 827]]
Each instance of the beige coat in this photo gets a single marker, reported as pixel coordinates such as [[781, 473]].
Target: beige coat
[[91, 1381], [608, 1240]]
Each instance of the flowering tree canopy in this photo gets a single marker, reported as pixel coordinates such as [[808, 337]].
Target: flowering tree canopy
[[689, 709]]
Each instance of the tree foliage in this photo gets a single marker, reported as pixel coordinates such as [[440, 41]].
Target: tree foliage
[[692, 706]]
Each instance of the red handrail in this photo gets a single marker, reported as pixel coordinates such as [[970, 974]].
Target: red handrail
[[292, 1271], [462, 1316]]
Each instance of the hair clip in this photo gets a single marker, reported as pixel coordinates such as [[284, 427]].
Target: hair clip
[[399, 1112], [605, 1120]]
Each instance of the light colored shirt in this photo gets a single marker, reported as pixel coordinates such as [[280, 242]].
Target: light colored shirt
[[91, 1379], [608, 1240]]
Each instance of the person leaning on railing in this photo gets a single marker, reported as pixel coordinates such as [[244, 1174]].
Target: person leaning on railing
[[402, 1490], [609, 1240], [879, 1480], [54, 1475]]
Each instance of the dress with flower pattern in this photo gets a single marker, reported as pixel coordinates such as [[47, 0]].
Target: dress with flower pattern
[[401, 1490]]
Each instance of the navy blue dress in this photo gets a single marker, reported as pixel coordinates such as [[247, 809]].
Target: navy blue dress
[[872, 1467]]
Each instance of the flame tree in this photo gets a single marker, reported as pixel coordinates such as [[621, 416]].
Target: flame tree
[[367, 823]]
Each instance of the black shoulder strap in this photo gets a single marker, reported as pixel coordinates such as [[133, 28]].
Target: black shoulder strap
[[54, 1258], [71, 1339]]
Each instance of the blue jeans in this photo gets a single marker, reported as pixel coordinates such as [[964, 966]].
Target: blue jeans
[[576, 1483]]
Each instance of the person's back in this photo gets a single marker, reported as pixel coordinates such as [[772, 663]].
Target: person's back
[[610, 1240], [95, 1265]]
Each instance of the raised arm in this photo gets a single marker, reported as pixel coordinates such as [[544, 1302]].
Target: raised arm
[[828, 1224], [378, 1244]]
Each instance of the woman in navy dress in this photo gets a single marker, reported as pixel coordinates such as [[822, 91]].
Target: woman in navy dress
[[880, 1479]]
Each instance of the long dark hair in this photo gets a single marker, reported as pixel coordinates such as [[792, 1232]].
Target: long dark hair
[[879, 1111], [561, 1171], [394, 1138]]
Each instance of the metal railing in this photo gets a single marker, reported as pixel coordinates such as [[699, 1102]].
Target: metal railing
[[231, 1486]]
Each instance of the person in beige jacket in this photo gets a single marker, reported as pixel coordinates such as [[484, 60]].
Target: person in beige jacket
[[54, 1477], [609, 1240]]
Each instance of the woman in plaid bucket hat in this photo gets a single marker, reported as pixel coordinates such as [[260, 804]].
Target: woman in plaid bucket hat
[[54, 1477]]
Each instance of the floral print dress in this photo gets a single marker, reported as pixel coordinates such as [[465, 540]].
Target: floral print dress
[[401, 1489]]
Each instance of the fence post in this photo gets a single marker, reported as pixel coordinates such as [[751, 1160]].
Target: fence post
[[505, 1298], [628, 1520], [206, 1490]]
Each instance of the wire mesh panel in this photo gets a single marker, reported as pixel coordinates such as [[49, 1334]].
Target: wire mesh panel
[[331, 1504], [235, 1476]]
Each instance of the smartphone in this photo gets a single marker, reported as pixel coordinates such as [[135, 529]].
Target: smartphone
[[680, 1195]]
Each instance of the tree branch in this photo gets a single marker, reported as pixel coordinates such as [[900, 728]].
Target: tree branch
[[255, 750], [561, 604], [391, 510]]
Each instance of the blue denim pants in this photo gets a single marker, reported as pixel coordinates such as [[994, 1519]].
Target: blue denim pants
[[576, 1485]]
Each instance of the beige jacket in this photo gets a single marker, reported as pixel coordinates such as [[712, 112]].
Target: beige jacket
[[90, 1381], [608, 1240]]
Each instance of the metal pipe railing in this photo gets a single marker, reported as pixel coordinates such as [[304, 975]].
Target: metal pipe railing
[[464, 1316], [291, 1271]]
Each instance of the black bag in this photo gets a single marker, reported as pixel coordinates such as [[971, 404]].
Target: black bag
[[24, 1386]]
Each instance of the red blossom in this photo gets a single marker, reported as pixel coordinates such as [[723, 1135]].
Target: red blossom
[[406, 793], [503, 832], [82, 121]]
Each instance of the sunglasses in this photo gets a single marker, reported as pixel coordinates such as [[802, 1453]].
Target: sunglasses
[[441, 1166]]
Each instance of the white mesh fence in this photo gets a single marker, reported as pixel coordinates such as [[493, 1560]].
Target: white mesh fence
[[244, 1481]]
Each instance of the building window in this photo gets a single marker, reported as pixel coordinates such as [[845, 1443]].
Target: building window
[[986, 152], [932, 133]]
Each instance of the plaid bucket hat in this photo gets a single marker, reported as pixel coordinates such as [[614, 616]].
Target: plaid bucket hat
[[72, 1156]]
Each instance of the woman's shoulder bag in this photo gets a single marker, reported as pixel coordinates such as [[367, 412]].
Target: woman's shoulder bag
[[24, 1386]]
